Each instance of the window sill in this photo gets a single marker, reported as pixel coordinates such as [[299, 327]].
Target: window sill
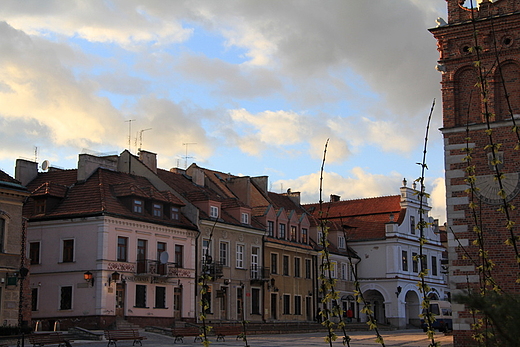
[[141, 307], [160, 308]]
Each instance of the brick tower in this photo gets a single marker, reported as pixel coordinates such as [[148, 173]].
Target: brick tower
[[480, 119]]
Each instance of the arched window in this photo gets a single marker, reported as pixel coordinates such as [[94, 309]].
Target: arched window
[[511, 73], [468, 108]]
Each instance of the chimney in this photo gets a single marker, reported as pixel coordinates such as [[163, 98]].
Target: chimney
[[149, 159], [294, 196], [88, 163], [335, 198], [25, 171], [197, 175]]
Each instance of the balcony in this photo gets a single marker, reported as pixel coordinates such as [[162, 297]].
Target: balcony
[[213, 269], [259, 274]]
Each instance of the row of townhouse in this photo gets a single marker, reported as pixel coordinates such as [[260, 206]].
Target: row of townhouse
[[121, 239]]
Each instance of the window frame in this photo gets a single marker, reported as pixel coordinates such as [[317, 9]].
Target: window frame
[[297, 266], [285, 265], [223, 253], [68, 252], [286, 304], [245, 218], [66, 306], [274, 263], [137, 206], [213, 211], [157, 209], [404, 261], [31, 251], [140, 296], [240, 255], [122, 248], [159, 296]]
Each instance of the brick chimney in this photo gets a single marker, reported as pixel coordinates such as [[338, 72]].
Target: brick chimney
[[149, 159]]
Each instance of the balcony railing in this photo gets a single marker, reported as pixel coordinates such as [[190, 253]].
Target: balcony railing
[[259, 273], [155, 267], [213, 269]]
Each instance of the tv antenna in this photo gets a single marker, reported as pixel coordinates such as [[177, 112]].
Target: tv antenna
[[186, 156], [129, 132], [141, 138]]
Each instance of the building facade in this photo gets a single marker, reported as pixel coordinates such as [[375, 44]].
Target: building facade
[[383, 232], [105, 246], [479, 125], [12, 198]]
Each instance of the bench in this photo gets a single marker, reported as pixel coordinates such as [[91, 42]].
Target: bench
[[180, 333], [123, 334], [222, 331], [42, 339]]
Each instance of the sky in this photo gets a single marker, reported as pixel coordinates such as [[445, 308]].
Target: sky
[[249, 87]]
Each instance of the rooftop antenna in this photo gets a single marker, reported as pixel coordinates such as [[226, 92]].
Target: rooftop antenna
[[186, 156], [35, 154], [141, 138], [129, 132]]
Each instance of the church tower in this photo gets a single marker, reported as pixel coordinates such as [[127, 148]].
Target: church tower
[[480, 65]]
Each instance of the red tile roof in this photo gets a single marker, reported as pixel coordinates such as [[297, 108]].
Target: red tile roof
[[100, 194], [365, 219]]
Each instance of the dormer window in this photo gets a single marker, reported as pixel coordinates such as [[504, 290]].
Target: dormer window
[[138, 206], [175, 213], [157, 210], [213, 211], [245, 218], [39, 206]]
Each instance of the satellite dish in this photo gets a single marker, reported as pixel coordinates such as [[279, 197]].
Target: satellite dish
[[45, 165], [164, 257]]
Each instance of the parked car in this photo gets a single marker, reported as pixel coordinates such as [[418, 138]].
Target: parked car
[[441, 311]]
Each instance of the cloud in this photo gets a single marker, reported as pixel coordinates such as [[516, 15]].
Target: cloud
[[38, 86], [438, 200]]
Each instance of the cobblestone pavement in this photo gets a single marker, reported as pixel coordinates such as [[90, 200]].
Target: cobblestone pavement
[[401, 338]]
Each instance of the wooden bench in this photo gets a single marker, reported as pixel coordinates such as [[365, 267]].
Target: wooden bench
[[222, 331], [43, 339], [123, 334], [180, 333]]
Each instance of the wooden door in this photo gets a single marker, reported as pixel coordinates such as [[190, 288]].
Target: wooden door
[[120, 300]]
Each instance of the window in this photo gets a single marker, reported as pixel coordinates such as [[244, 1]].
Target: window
[[286, 304], [320, 237], [179, 256], [286, 265], [305, 234], [297, 262], [2, 235], [122, 248], [140, 296], [245, 218], [223, 253], [274, 263], [424, 262], [66, 298], [34, 299], [157, 210], [282, 231], [142, 246], [138, 206], [341, 241], [307, 268], [206, 250], [255, 301], [213, 211], [270, 228], [293, 233], [240, 256], [34, 252], [68, 251], [405, 260], [39, 206], [415, 267], [255, 274], [297, 304], [344, 271], [434, 266], [160, 297], [161, 267], [174, 213], [206, 299], [334, 269], [412, 224]]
